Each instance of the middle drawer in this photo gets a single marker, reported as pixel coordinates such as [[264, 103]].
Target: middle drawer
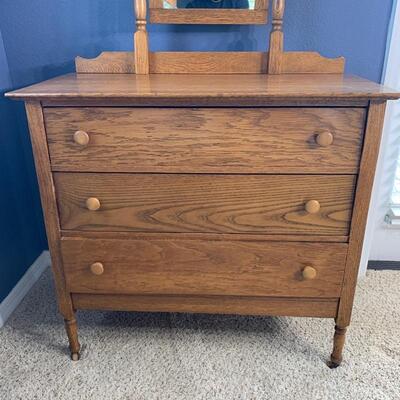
[[258, 204]]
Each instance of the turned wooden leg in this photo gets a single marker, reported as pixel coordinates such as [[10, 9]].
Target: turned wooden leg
[[338, 344], [72, 331]]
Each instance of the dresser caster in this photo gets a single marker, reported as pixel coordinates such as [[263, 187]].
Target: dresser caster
[[75, 356], [333, 365]]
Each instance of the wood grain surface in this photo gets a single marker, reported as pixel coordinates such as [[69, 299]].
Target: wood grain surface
[[203, 267], [208, 16], [47, 193], [49, 204], [245, 237], [270, 204], [206, 140], [376, 117], [275, 54], [279, 306], [108, 62], [310, 62], [188, 88], [141, 38], [238, 62]]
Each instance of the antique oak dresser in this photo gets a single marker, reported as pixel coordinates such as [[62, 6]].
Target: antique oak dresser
[[206, 182]]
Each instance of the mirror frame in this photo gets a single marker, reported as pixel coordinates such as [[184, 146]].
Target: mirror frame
[[160, 15]]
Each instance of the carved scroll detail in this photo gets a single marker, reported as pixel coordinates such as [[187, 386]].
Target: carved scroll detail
[[294, 62], [108, 62]]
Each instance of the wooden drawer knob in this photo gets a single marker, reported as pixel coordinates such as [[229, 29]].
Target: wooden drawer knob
[[313, 206], [93, 204], [309, 273], [81, 138], [97, 268], [324, 139]]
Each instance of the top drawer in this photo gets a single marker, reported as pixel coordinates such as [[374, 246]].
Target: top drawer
[[205, 140]]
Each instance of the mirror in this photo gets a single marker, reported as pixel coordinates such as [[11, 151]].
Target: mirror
[[207, 4], [236, 12]]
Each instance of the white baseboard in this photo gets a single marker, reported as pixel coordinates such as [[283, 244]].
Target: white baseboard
[[11, 302]]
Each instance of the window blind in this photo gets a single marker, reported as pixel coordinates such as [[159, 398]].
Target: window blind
[[393, 215], [396, 188]]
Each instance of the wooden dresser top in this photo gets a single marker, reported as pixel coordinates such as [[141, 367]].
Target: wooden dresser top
[[181, 87]]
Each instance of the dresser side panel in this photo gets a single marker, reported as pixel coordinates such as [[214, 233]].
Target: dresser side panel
[[48, 199], [365, 182]]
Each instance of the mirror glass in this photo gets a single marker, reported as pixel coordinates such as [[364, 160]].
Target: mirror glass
[[230, 4]]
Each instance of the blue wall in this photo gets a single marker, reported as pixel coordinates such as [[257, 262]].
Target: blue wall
[[21, 232], [42, 37]]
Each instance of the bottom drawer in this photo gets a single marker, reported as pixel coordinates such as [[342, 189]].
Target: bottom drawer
[[173, 265], [176, 265]]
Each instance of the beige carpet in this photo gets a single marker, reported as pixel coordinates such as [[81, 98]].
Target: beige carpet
[[172, 356]]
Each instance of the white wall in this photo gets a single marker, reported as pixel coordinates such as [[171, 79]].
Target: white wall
[[382, 242]]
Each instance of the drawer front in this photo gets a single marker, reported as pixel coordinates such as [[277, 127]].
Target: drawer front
[[203, 267], [205, 140], [259, 204]]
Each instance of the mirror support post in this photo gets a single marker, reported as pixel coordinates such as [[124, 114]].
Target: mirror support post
[[275, 55], [141, 39]]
